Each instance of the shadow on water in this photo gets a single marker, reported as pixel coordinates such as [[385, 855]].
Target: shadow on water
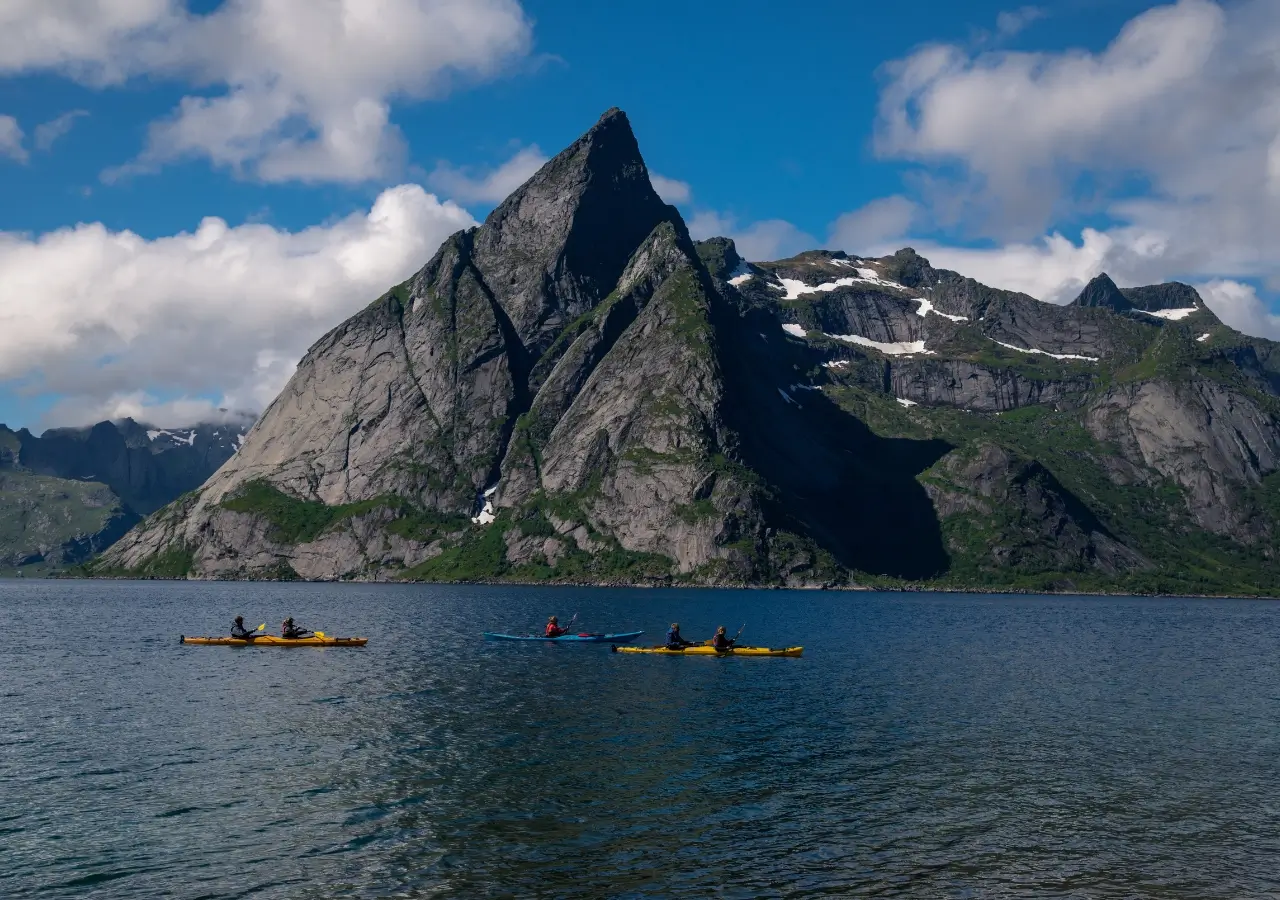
[[851, 490]]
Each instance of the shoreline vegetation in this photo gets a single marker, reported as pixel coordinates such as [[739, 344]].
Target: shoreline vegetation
[[674, 583]]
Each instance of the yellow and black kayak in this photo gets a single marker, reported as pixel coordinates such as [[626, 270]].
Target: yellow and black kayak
[[711, 651], [268, 640]]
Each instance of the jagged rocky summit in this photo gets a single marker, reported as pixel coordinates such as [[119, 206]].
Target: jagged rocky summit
[[71, 492], [577, 391]]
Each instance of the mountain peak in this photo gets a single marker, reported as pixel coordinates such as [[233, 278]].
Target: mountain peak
[[1102, 292], [612, 114], [558, 244]]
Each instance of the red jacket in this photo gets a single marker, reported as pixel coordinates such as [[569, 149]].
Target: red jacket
[[555, 630]]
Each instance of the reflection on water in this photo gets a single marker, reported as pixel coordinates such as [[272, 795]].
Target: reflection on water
[[925, 746]]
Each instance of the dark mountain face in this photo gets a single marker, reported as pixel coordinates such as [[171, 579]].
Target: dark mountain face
[[72, 492], [1102, 292], [576, 391], [146, 467]]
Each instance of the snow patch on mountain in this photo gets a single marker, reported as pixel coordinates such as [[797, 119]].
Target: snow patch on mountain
[[1046, 352], [926, 307], [742, 274], [896, 348], [794, 288], [1172, 315]]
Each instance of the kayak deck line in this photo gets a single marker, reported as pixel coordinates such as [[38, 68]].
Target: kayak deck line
[[711, 651], [620, 638], [268, 640]]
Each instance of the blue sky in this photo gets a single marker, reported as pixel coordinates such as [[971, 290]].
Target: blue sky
[[1030, 147]]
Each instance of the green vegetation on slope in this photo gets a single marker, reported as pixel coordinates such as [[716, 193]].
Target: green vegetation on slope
[[1150, 518], [47, 523], [480, 554], [295, 521]]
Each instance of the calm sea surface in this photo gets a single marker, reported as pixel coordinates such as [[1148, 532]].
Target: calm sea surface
[[925, 746]]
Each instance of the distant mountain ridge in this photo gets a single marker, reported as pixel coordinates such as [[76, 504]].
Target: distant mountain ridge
[[72, 492], [577, 391]]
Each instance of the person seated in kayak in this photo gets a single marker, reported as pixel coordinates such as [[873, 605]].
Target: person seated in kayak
[[553, 628], [239, 631], [721, 641], [674, 640], [289, 630]]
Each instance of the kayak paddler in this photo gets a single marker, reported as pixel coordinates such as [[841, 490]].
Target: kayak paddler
[[289, 630], [721, 642], [553, 628], [239, 631], [674, 640]]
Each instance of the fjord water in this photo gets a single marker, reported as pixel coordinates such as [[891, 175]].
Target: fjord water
[[925, 746]]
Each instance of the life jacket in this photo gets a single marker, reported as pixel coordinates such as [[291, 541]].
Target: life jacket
[[673, 638], [554, 630], [239, 631], [721, 642]]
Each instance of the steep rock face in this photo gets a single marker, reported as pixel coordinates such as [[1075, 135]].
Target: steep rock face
[[645, 426], [1030, 521], [564, 370], [1210, 439], [417, 395], [980, 387], [145, 466], [830, 482], [555, 248], [1170, 295], [409, 396]]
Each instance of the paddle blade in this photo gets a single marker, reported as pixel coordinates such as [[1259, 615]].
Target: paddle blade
[[319, 634], [261, 627]]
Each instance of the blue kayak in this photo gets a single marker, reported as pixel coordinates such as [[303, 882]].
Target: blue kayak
[[567, 638]]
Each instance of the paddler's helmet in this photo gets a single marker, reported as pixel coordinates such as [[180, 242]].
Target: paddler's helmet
[[553, 619]]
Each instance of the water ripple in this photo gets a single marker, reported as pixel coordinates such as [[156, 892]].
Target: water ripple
[[925, 746]]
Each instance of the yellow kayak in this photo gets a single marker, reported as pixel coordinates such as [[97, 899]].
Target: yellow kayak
[[710, 651], [268, 640]]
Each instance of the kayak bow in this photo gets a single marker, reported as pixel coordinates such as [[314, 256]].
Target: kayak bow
[[268, 640], [711, 651], [621, 638]]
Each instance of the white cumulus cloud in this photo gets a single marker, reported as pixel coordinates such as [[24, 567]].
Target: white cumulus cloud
[[872, 225], [469, 185], [289, 89], [1239, 306], [670, 190], [1024, 125], [1172, 132], [759, 241], [107, 319]]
